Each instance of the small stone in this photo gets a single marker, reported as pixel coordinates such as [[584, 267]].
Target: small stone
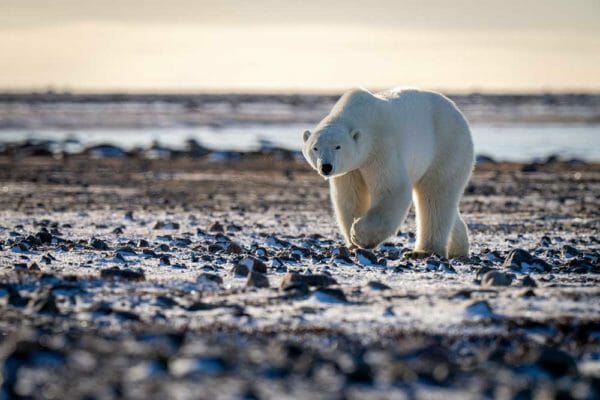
[[126, 251], [125, 274], [208, 277], [528, 281], [433, 265], [293, 280], [233, 248], [483, 270], [365, 257], [216, 227], [99, 244], [494, 256], [521, 261], [378, 286], [272, 241], [46, 304], [240, 270], [330, 295], [557, 362], [44, 237], [118, 230], [166, 225], [149, 253], [480, 308], [253, 264], [258, 280], [340, 252], [496, 278], [143, 243], [165, 260], [528, 293], [569, 251]]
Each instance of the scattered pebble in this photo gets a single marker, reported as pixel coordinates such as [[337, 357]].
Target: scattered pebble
[[258, 280], [377, 286], [122, 273], [330, 296], [497, 278], [365, 257], [520, 260], [293, 280], [528, 281]]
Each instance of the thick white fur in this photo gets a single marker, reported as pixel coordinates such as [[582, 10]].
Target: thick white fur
[[393, 147]]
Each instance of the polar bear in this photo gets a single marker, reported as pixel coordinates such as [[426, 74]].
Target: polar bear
[[380, 151]]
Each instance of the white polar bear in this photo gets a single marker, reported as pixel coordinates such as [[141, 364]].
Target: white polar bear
[[379, 149]]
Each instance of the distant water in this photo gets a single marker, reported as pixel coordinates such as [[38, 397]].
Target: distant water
[[511, 142]]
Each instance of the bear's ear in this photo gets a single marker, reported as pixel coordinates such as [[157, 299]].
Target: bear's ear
[[355, 134], [306, 135]]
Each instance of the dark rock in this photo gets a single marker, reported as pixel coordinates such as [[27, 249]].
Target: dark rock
[[208, 277], [126, 251], [143, 243], [240, 270], [200, 306], [293, 280], [216, 227], [44, 237], [122, 273], [258, 280], [253, 264], [378, 286], [433, 265], [46, 304], [557, 362], [149, 253], [365, 257], [165, 260], [528, 281], [480, 308], [329, 295], [360, 373], [99, 244], [497, 278], [569, 251], [341, 252], [168, 225], [521, 261], [484, 270], [528, 293]]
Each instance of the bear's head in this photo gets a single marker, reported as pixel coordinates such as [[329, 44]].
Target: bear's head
[[334, 150]]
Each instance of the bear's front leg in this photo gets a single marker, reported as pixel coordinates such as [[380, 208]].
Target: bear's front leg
[[383, 218], [350, 198]]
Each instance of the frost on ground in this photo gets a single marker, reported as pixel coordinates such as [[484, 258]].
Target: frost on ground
[[201, 279]]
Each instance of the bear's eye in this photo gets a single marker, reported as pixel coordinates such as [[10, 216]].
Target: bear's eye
[[315, 149], [338, 147]]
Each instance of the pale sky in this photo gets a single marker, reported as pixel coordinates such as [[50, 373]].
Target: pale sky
[[268, 45]]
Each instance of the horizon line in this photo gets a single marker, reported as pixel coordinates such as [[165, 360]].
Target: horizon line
[[49, 90]]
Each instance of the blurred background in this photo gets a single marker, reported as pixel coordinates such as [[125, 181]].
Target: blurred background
[[240, 76]]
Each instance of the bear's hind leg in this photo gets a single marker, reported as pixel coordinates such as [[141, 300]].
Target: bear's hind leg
[[459, 238], [436, 207], [350, 200]]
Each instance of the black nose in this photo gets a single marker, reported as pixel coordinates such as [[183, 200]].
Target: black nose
[[326, 169]]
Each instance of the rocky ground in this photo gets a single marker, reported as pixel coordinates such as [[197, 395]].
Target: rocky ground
[[193, 279]]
